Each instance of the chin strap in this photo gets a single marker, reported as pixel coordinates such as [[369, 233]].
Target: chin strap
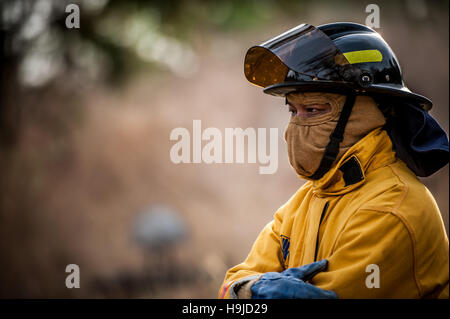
[[332, 149]]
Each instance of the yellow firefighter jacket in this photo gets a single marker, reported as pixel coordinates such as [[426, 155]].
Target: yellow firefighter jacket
[[376, 223]]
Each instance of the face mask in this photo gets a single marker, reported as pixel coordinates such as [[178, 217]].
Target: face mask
[[307, 138]]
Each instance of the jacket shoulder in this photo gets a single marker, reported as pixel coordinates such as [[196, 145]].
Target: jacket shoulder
[[396, 189]]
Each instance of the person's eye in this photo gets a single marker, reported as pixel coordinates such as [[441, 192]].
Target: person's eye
[[312, 110], [292, 110]]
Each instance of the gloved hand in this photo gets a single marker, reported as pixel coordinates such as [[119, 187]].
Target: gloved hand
[[291, 284]]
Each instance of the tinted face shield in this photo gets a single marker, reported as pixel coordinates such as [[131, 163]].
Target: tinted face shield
[[303, 56]]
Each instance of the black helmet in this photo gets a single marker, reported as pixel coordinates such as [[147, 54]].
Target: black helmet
[[351, 59], [335, 57]]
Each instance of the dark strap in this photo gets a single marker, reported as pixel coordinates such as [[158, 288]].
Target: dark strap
[[351, 171], [332, 149]]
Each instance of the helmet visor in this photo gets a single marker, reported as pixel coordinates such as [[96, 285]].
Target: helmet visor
[[303, 53]]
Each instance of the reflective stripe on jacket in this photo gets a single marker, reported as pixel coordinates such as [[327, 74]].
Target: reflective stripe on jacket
[[376, 223]]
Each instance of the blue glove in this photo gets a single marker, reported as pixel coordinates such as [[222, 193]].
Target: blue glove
[[290, 284]]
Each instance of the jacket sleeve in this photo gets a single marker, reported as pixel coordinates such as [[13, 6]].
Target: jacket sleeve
[[373, 257], [265, 256]]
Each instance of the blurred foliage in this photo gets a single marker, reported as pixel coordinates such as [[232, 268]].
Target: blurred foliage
[[117, 36]]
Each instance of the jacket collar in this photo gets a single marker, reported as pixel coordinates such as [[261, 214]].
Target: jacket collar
[[370, 153]]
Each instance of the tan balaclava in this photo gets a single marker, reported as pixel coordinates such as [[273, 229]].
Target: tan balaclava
[[307, 138]]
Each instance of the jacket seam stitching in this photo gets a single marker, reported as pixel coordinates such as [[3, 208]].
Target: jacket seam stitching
[[410, 231]]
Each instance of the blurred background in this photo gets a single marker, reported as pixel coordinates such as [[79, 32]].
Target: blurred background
[[85, 119]]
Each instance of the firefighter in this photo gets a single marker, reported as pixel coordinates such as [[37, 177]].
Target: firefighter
[[363, 225]]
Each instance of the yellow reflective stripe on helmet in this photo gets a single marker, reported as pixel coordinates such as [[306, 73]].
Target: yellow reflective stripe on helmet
[[363, 56]]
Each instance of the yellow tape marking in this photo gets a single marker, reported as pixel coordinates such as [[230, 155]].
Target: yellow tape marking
[[363, 56]]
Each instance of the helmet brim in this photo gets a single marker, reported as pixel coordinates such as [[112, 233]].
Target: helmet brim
[[374, 90]]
